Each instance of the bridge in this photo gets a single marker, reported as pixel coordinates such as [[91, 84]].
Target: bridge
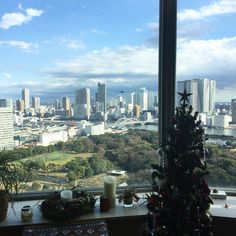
[[130, 121]]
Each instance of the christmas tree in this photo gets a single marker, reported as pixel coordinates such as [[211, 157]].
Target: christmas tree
[[181, 199]]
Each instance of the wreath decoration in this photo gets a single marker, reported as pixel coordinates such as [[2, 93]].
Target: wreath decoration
[[54, 208]]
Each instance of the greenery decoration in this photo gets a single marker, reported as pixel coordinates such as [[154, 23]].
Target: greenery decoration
[[54, 208], [128, 194], [181, 199], [12, 174]]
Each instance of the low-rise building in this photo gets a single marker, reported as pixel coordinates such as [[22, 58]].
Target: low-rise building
[[222, 120], [51, 137], [94, 129]]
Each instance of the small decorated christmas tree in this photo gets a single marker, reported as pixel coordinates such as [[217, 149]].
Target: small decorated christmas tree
[[181, 199]]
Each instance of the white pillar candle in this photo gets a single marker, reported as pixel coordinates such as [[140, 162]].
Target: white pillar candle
[[110, 189], [66, 195]]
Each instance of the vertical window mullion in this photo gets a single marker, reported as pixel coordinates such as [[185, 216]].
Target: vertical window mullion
[[167, 65]]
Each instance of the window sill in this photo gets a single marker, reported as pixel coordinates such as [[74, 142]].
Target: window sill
[[137, 211], [14, 216]]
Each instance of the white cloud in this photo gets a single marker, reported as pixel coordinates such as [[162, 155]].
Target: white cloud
[[72, 43], [123, 67], [154, 26], [106, 62], [33, 12], [138, 30], [6, 75], [20, 6], [218, 7], [24, 46], [207, 57], [96, 31], [18, 18]]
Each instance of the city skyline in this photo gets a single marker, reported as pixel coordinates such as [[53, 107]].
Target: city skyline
[[52, 47]]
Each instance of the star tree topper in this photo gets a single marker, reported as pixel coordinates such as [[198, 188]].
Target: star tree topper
[[184, 97]]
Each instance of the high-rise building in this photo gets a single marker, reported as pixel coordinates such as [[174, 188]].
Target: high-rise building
[[191, 86], [20, 105], [155, 101], [203, 94], [6, 124], [66, 103], [101, 98], [57, 104], [26, 97], [141, 98], [6, 103], [136, 111], [206, 95], [150, 100], [130, 99], [212, 95], [36, 103], [66, 106], [233, 108], [82, 107]]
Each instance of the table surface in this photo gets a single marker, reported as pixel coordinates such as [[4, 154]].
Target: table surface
[[137, 210]]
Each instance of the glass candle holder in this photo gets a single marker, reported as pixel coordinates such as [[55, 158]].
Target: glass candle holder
[[66, 195], [26, 213]]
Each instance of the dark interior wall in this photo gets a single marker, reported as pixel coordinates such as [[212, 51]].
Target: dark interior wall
[[134, 226]]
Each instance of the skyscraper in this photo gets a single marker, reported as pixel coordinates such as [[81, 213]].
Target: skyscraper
[[57, 104], [212, 95], [20, 105], [101, 98], [191, 86], [203, 94], [36, 103], [66, 106], [26, 97], [141, 98], [130, 99], [6, 124], [150, 100], [206, 95], [233, 108], [66, 103], [136, 111], [82, 105]]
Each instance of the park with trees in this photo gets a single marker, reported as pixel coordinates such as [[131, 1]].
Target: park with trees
[[85, 160]]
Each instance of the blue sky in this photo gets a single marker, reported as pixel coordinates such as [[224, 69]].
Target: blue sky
[[53, 47]]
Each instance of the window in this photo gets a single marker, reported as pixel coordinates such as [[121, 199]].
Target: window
[[205, 67], [81, 78]]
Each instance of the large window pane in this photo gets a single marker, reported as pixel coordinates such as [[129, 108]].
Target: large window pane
[[206, 68], [81, 80]]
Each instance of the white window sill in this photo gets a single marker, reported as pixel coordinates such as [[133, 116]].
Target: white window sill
[[14, 217]]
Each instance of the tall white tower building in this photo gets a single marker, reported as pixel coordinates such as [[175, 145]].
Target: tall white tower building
[[130, 99], [141, 98], [150, 100], [82, 107], [203, 94], [233, 108], [206, 95], [212, 95], [6, 125], [26, 97], [191, 86], [36, 103], [101, 98]]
